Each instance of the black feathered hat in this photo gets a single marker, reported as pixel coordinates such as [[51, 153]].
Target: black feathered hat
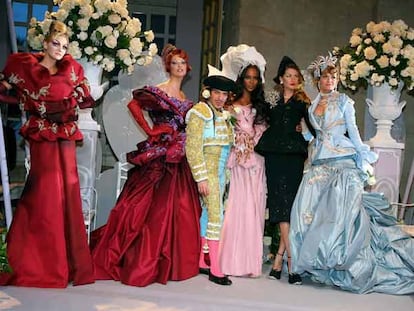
[[284, 63], [220, 83]]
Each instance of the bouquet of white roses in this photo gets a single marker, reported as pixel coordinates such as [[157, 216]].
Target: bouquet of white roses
[[101, 31], [381, 53]]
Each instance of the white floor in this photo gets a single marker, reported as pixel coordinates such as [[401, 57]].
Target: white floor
[[199, 294]]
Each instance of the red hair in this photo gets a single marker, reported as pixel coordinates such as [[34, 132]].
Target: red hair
[[176, 52]]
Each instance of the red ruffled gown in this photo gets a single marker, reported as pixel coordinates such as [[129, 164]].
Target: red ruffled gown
[[47, 242], [153, 233]]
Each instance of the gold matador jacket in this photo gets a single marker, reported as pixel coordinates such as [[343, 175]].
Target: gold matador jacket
[[209, 138]]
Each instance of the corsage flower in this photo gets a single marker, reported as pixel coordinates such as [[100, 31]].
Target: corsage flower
[[237, 110], [272, 97], [229, 118], [369, 170], [205, 94]]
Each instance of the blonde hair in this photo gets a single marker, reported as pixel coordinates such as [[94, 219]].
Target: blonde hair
[[57, 29], [301, 95]]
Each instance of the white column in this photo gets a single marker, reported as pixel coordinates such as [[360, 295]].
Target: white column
[[5, 177]]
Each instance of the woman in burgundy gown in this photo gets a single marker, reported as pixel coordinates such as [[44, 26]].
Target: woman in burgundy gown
[[47, 242], [153, 234]]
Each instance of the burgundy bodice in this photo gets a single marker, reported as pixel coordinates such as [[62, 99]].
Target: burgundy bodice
[[164, 111]]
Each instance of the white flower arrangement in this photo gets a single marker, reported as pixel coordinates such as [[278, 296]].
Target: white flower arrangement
[[382, 53], [101, 31]]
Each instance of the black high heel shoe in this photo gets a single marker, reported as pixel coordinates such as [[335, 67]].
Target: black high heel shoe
[[294, 278], [274, 273], [224, 280], [205, 271]]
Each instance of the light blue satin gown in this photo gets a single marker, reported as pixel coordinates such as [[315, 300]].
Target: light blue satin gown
[[339, 234]]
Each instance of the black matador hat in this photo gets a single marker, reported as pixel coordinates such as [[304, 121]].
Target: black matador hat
[[220, 83], [284, 63]]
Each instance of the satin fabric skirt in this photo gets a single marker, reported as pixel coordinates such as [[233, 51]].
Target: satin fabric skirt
[[153, 232], [47, 242], [241, 244], [343, 236]]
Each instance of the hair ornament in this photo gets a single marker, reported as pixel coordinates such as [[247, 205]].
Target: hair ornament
[[237, 58], [321, 63], [168, 48]]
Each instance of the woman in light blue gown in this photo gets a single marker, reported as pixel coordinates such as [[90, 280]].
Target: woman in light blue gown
[[339, 234]]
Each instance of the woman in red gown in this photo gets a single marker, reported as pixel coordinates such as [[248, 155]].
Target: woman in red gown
[[153, 234], [47, 242]]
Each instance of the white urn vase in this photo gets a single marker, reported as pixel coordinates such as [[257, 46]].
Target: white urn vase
[[385, 107], [94, 75]]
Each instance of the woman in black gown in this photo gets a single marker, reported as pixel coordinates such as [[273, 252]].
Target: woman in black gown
[[285, 151]]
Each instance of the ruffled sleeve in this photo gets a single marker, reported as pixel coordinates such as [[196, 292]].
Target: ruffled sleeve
[[195, 119], [166, 136], [150, 100], [82, 91], [363, 152]]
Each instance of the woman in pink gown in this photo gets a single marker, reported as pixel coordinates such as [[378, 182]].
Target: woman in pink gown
[[241, 246], [152, 234]]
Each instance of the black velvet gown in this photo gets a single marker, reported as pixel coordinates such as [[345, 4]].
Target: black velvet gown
[[285, 151]]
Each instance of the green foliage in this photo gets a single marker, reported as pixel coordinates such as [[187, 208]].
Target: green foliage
[[4, 263]]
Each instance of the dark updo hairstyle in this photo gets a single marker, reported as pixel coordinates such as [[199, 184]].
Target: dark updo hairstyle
[[169, 51]]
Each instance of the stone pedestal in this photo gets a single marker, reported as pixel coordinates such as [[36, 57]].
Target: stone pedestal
[[89, 162], [388, 172]]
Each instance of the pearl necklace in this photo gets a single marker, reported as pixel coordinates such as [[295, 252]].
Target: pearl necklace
[[326, 94], [325, 97]]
